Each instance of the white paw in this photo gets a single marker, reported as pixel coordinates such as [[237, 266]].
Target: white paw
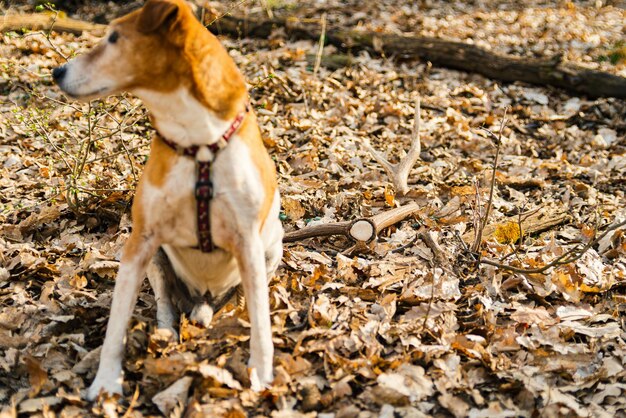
[[260, 381], [202, 313], [110, 386], [166, 333]]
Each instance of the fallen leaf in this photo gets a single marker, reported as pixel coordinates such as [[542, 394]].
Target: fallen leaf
[[173, 396], [37, 376]]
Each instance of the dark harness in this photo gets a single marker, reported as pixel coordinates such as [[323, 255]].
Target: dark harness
[[204, 156]]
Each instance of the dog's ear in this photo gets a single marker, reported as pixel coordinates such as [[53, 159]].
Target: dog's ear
[[156, 14]]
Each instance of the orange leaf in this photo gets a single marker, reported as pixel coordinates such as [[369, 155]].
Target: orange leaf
[[389, 197], [37, 376], [588, 232]]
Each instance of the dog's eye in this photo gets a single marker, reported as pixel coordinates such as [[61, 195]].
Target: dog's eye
[[113, 37]]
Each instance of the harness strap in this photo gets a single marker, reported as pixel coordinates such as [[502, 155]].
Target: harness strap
[[204, 193], [204, 156]]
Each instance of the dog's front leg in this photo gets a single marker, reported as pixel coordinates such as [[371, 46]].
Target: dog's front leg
[[137, 254], [251, 262]]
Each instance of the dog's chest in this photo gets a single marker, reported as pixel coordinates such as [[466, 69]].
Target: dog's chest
[[171, 213], [169, 209]]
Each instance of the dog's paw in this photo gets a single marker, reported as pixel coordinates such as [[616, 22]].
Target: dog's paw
[[202, 313], [166, 333], [260, 381], [110, 386]]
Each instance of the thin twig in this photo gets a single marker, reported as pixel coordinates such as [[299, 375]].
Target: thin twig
[[320, 48], [47, 33], [46, 136], [407, 245], [464, 246], [430, 242], [476, 210], [121, 125], [34, 205], [84, 151], [515, 249], [39, 95], [115, 154], [520, 226], [226, 13], [133, 402]]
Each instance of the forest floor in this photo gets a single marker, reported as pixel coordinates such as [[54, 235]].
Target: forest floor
[[401, 329]]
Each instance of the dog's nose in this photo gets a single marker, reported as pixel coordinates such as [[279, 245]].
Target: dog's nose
[[58, 73]]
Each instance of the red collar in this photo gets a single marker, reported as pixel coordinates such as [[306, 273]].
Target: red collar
[[192, 150]]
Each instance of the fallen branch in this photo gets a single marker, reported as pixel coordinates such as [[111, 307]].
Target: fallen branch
[[551, 71], [332, 61], [532, 222], [361, 230], [48, 22], [566, 258], [399, 173]]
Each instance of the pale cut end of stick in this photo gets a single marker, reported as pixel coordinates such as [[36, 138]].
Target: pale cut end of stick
[[362, 230]]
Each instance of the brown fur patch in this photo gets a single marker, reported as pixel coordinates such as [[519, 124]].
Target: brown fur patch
[[162, 159], [131, 247]]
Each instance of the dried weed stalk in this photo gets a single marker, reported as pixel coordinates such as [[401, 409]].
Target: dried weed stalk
[[498, 142], [320, 48]]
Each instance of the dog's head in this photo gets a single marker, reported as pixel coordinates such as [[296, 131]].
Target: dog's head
[[142, 50]]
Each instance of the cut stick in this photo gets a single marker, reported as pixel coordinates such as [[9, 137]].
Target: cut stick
[[363, 230], [399, 173]]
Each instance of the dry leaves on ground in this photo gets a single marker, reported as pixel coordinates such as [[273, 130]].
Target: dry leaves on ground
[[397, 330]]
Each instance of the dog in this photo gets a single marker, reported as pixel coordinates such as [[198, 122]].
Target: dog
[[206, 210]]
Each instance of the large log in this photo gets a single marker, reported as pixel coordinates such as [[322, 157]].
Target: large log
[[551, 71], [48, 22]]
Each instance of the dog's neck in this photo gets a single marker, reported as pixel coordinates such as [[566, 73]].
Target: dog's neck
[[178, 116], [210, 94]]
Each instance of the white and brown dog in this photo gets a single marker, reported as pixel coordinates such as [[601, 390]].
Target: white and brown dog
[[209, 181]]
